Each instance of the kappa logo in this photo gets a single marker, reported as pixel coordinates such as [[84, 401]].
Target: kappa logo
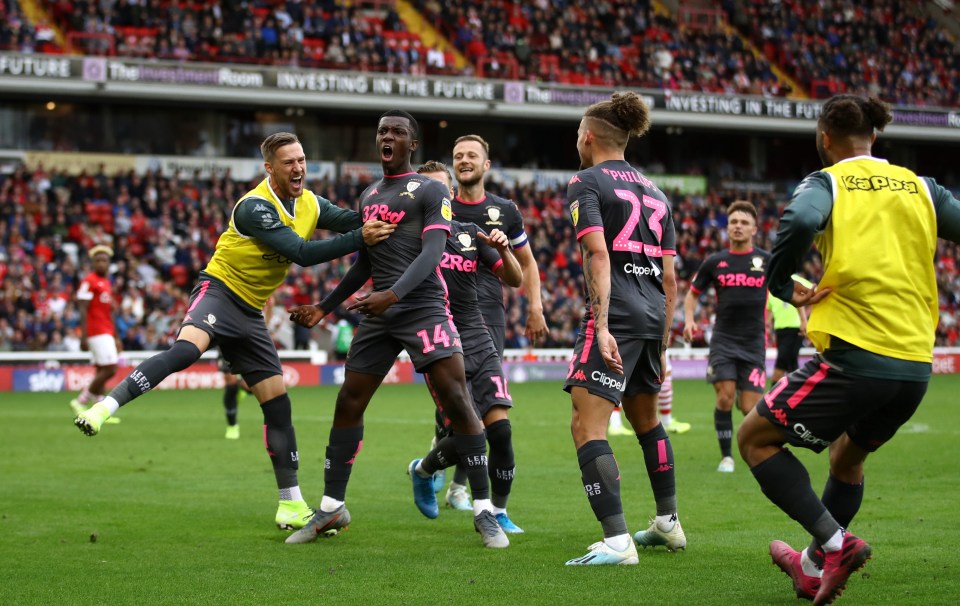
[[574, 179], [780, 414], [722, 264], [466, 242], [373, 191], [855, 183], [259, 208], [579, 376]]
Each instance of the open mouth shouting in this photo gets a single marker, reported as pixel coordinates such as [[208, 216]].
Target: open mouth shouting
[[386, 152], [296, 184]]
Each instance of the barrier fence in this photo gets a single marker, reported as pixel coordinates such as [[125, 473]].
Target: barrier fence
[[69, 372]]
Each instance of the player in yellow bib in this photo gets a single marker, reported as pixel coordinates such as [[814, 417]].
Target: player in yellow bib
[[873, 319], [270, 228]]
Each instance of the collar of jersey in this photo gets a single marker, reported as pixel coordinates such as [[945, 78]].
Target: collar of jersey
[[480, 201], [293, 202]]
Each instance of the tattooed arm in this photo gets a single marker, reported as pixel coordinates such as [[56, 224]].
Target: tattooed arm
[[596, 275], [670, 291]]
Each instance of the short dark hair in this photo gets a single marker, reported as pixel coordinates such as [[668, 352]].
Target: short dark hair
[[274, 142], [477, 138], [399, 113], [853, 115], [744, 207]]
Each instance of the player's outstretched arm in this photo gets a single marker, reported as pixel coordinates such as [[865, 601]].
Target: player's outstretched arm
[[259, 220], [341, 220], [334, 218]]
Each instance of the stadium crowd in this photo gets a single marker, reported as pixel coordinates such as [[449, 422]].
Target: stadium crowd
[[881, 47], [323, 34], [613, 43], [163, 229], [884, 48]]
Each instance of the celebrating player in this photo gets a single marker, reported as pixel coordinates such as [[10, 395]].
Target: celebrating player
[[626, 233], [467, 248], [473, 204], [407, 310], [268, 231], [873, 324]]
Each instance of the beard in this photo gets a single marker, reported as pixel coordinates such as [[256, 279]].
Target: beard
[[471, 181]]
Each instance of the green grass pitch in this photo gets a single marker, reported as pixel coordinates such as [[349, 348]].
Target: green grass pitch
[[161, 509]]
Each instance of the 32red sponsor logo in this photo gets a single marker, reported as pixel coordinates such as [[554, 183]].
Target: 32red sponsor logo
[[382, 212]]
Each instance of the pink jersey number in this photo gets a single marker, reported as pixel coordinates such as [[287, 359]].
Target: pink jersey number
[[501, 383], [623, 242], [440, 336]]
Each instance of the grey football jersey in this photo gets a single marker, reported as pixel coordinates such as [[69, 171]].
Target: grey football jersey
[[637, 223], [416, 204]]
